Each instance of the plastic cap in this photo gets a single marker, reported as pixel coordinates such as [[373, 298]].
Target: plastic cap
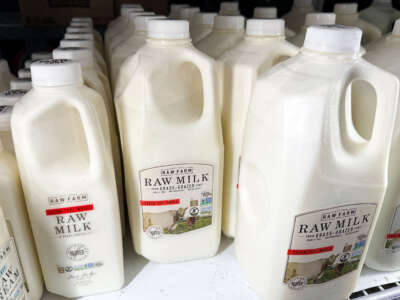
[[4, 66], [229, 7], [333, 39], [78, 29], [76, 43], [41, 55], [10, 97], [126, 11], [320, 19], [265, 27], [28, 63], [130, 5], [302, 3], [56, 72], [396, 28], [204, 18], [265, 13], [346, 8], [82, 24], [82, 20], [80, 35], [187, 13], [142, 22], [24, 73], [176, 7], [229, 22], [83, 56], [133, 15], [21, 84], [168, 29]]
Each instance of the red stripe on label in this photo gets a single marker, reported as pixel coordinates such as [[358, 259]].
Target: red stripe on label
[[310, 251], [68, 210], [393, 236], [160, 202]]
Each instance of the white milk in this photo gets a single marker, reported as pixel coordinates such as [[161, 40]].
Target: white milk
[[228, 31], [97, 81], [188, 13], [381, 14], [229, 9], [263, 46], [65, 162], [81, 43], [202, 26], [312, 19], [172, 146], [311, 183], [130, 46], [9, 263], [13, 202], [383, 253], [21, 84], [85, 36], [296, 17], [5, 75], [174, 10], [24, 73], [346, 14], [270, 13], [41, 55]]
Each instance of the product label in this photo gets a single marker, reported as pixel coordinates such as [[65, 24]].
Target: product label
[[12, 279], [392, 244], [176, 199], [327, 244]]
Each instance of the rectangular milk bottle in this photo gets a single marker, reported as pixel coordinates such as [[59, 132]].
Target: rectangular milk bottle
[[12, 277], [172, 147], [65, 161], [263, 46], [384, 251], [311, 180]]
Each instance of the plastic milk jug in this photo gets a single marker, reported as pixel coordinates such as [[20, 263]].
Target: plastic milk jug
[[263, 46], [296, 17], [381, 14], [312, 183], [174, 10], [229, 9], [41, 55], [130, 46], [271, 13], [24, 73], [202, 26], [228, 31], [13, 202], [383, 253], [312, 19], [21, 84], [346, 14], [66, 168], [5, 75], [10, 264], [174, 195]]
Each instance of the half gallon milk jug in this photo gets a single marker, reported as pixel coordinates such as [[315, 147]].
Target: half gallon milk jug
[[172, 146], [384, 252], [10, 264], [270, 13], [381, 13], [296, 17], [5, 75], [21, 84], [229, 9], [65, 162], [228, 32], [202, 26], [311, 183], [311, 20], [13, 202], [263, 46], [174, 10], [346, 14]]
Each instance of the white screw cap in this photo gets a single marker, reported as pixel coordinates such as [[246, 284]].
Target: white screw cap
[[187, 13], [320, 19], [265, 13], [10, 97], [126, 11], [24, 73], [265, 27], [79, 35], [346, 8], [82, 24], [229, 23], [82, 20], [206, 19], [83, 56], [396, 28], [142, 22], [168, 29], [41, 55], [132, 16], [175, 8], [229, 8], [76, 43], [78, 29], [21, 84], [333, 39], [56, 72], [302, 3], [130, 5]]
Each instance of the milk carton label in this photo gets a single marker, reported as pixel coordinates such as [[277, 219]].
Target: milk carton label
[[392, 244], [176, 199], [12, 278], [327, 244]]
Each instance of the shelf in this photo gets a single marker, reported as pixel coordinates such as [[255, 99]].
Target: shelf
[[216, 278]]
